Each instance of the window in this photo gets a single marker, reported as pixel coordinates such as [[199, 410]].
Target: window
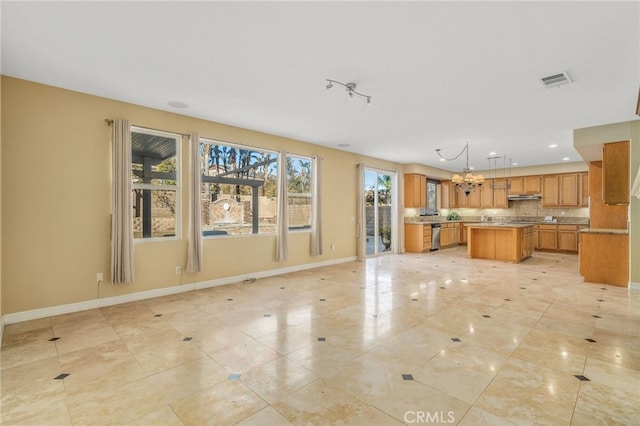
[[154, 177], [432, 197], [239, 189], [299, 192]]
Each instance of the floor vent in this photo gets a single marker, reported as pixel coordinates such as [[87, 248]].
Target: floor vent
[[556, 80]]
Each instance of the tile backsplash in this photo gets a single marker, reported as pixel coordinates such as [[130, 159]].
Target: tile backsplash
[[522, 208]]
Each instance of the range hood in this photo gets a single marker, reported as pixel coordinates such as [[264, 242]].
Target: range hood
[[524, 197]]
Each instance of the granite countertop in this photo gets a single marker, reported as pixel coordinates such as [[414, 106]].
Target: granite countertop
[[605, 231], [522, 221], [500, 225]]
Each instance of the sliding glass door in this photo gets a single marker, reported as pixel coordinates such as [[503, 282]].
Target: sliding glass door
[[379, 194]]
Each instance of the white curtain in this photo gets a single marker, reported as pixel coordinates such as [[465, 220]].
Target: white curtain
[[282, 239], [635, 189], [122, 264], [361, 234], [316, 200], [194, 248]]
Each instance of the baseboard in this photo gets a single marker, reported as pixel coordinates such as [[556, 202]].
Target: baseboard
[[150, 294], [1, 328], [634, 286]]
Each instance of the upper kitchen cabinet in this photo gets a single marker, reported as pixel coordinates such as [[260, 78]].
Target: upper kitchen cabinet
[[415, 190], [482, 197], [516, 186], [584, 189], [531, 184], [446, 201], [500, 193], [550, 195], [563, 190], [615, 173], [524, 185], [569, 190]]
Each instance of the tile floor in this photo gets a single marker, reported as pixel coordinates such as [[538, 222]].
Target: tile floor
[[413, 339]]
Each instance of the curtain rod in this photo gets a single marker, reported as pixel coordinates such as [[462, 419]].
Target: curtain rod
[[110, 122]]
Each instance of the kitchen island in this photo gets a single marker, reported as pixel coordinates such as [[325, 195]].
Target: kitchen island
[[512, 242]]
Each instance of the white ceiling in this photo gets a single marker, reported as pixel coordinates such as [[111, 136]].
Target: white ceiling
[[440, 73]]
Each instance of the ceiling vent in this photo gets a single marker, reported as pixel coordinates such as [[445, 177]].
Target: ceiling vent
[[556, 80]]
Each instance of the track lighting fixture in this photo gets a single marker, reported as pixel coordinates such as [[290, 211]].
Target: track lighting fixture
[[351, 89]]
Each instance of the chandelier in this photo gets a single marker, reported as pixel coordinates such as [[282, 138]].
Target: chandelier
[[351, 89], [467, 182]]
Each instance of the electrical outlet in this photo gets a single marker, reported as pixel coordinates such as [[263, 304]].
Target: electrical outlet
[[178, 270], [333, 247], [99, 277]]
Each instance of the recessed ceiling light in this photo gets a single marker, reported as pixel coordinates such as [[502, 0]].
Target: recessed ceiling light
[[515, 164], [344, 145], [492, 153], [177, 104], [553, 145], [443, 159], [566, 159], [471, 168]]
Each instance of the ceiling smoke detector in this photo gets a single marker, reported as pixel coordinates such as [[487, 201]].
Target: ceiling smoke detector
[[556, 80]]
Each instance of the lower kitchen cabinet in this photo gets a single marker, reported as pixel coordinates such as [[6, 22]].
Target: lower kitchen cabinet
[[449, 234], [417, 237], [558, 237], [547, 237], [604, 257]]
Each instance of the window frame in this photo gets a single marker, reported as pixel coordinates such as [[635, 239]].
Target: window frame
[[238, 146], [306, 228], [435, 184], [177, 188]]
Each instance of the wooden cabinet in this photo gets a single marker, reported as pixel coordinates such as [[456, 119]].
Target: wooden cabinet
[[525, 185], [500, 193], [482, 197], [445, 194], [449, 234], [563, 190], [615, 173], [604, 258], [584, 189], [462, 199], [417, 237], [547, 237], [532, 184], [475, 198], [558, 237], [463, 233], [500, 242], [569, 190], [558, 190], [568, 237], [415, 190], [550, 186], [528, 243], [516, 186], [451, 196], [486, 200]]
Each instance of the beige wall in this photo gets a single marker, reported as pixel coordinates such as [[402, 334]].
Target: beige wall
[[588, 142], [56, 197], [1, 243]]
